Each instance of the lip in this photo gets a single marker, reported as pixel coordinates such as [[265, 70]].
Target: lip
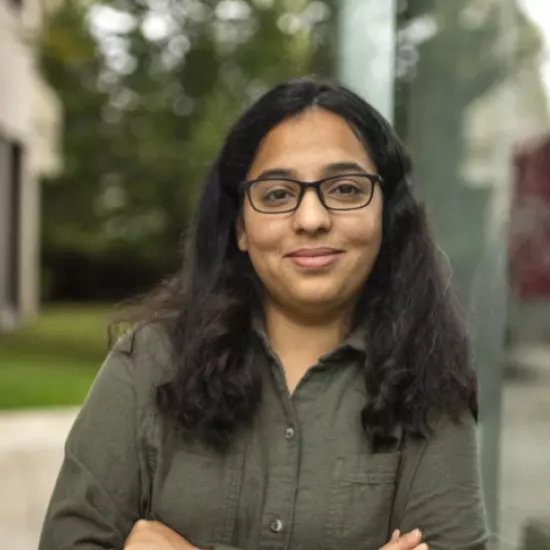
[[315, 258]]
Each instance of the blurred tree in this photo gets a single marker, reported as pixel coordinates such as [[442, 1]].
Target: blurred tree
[[149, 89]]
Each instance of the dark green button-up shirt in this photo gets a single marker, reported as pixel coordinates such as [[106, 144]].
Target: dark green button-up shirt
[[301, 477]]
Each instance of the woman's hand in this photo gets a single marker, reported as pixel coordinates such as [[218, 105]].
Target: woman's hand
[[409, 541], [152, 535]]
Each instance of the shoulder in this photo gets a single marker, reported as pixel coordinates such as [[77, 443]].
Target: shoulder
[[447, 427], [452, 439], [147, 353], [145, 339]]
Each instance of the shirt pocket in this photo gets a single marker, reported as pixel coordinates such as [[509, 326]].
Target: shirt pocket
[[362, 492]]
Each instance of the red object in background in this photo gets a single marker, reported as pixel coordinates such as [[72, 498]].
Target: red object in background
[[530, 227]]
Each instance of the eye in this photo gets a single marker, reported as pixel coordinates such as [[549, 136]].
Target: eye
[[273, 193], [346, 189], [276, 195]]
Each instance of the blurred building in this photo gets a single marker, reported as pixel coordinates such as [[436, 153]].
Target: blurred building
[[30, 117], [530, 242]]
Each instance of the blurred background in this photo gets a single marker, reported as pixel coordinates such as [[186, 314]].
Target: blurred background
[[110, 114]]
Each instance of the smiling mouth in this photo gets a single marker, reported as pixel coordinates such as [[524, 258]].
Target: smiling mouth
[[315, 258]]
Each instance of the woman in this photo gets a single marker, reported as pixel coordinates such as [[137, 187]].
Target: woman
[[304, 382]]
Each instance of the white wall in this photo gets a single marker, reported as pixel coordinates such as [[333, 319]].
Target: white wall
[[30, 115]]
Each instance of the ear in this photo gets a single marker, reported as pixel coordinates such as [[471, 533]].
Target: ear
[[242, 239]]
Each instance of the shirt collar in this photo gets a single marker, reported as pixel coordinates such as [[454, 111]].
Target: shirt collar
[[355, 341]]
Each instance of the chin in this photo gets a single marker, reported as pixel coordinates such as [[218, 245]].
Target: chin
[[317, 298]]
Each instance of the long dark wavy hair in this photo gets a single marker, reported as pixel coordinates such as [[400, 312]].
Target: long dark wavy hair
[[418, 349]]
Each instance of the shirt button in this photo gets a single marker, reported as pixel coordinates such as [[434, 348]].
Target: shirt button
[[289, 433], [276, 525]]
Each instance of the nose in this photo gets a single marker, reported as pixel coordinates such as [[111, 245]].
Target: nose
[[311, 216]]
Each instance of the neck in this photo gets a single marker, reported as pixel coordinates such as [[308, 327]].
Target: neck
[[299, 341]]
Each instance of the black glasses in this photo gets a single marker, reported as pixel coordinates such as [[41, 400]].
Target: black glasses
[[282, 195]]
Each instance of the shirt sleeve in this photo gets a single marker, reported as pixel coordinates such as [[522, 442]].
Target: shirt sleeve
[[444, 498], [97, 496]]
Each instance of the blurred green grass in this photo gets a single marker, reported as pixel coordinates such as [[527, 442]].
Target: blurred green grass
[[52, 361]]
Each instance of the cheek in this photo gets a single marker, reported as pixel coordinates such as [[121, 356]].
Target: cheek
[[264, 234], [365, 233]]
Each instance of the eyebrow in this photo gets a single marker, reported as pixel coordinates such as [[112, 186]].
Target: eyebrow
[[328, 170], [339, 167]]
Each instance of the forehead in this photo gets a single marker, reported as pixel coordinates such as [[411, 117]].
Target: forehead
[[309, 141]]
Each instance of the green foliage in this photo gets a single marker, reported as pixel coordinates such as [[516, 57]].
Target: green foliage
[[147, 105]]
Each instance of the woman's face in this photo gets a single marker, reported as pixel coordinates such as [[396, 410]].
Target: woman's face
[[284, 248]]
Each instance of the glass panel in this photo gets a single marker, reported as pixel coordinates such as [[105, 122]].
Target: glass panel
[[367, 50], [472, 105], [452, 89], [525, 495], [453, 108]]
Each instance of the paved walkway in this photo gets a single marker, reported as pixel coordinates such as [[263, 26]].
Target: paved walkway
[[525, 445], [31, 448]]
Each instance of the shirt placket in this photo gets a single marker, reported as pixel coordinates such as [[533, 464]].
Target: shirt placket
[[280, 495]]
